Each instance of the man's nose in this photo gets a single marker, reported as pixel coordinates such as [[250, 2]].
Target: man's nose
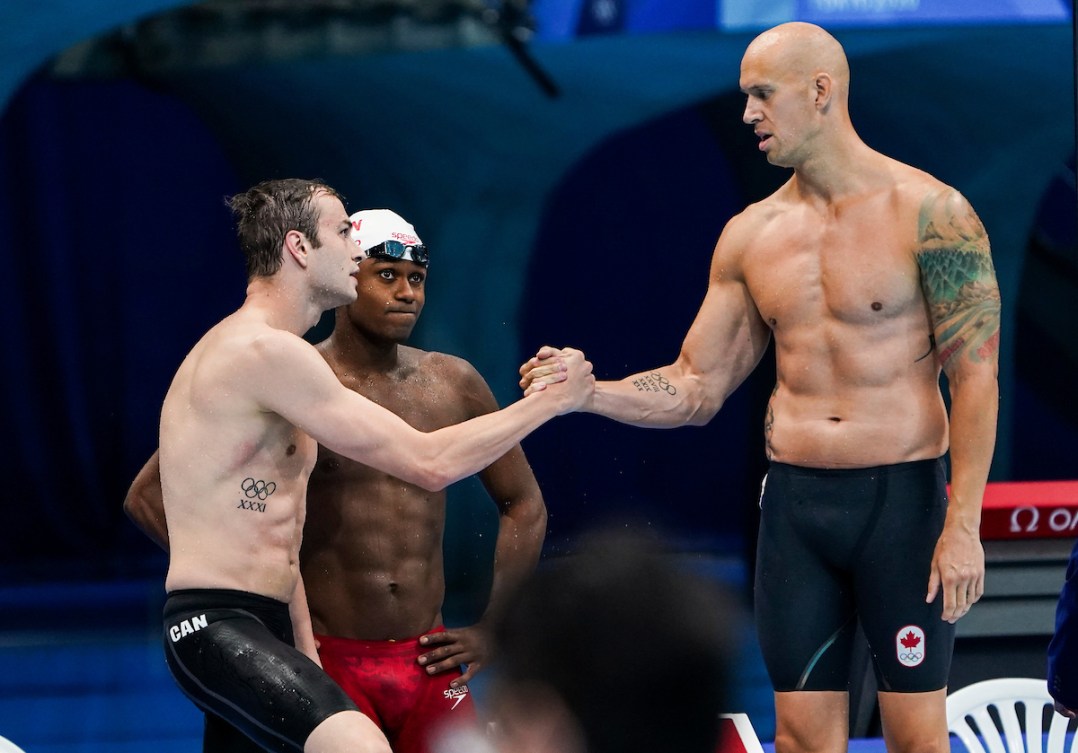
[[751, 115]]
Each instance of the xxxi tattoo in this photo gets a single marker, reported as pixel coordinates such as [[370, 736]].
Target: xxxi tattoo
[[654, 382], [255, 493]]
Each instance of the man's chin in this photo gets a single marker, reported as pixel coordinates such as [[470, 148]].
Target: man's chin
[[343, 298]]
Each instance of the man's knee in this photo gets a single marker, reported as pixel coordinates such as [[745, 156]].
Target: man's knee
[[915, 722], [811, 722]]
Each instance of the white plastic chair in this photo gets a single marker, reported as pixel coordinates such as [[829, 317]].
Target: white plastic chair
[[985, 735], [6, 746]]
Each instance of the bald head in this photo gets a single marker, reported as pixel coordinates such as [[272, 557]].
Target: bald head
[[801, 51]]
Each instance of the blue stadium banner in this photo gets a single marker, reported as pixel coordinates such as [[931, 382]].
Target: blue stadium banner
[[927, 12], [567, 19]]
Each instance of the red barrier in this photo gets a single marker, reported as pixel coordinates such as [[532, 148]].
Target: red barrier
[[1030, 510]]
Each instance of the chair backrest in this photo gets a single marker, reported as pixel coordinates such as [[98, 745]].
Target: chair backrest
[[969, 718], [6, 746]]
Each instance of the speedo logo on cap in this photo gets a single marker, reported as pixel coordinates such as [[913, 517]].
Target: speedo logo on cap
[[408, 240]]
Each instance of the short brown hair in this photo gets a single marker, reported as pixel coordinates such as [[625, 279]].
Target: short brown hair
[[265, 214]]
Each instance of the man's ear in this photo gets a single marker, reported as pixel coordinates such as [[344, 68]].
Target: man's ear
[[824, 86], [296, 245]]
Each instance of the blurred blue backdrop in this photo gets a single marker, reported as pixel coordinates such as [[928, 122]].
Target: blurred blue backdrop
[[585, 218]]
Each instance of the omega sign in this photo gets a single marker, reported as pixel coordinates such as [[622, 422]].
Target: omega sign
[[1028, 520], [1030, 510]]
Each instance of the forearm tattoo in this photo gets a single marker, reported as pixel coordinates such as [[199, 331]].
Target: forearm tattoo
[[654, 382], [254, 493], [958, 280]]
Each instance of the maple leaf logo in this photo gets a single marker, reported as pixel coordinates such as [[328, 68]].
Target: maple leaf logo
[[909, 640]]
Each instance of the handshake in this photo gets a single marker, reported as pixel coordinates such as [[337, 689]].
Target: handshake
[[564, 370]]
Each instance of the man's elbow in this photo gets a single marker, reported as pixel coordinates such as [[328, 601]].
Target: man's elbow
[[432, 475], [703, 394], [134, 507], [142, 513], [979, 380], [528, 512], [704, 408]]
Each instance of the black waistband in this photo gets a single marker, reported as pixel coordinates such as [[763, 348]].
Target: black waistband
[[911, 466], [189, 599]]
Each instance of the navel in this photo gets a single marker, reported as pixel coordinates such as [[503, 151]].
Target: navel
[[291, 450], [773, 322], [876, 306], [836, 419]]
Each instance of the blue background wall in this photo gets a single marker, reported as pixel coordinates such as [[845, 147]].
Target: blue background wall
[[587, 219], [119, 251]]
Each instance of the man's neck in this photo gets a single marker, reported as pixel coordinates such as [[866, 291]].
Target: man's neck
[[280, 307], [357, 350], [841, 167]]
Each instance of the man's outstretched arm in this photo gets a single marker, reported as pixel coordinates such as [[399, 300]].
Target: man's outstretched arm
[[724, 344]]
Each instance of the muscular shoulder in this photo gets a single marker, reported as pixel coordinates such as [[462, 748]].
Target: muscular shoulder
[[919, 193], [743, 230], [458, 381], [268, 342], [453, 370], [239, 348], [459, 375]]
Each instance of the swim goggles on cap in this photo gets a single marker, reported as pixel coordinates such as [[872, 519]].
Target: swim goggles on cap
[[398, 251]]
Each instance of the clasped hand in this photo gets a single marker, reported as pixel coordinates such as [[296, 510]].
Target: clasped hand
[[552, 366]]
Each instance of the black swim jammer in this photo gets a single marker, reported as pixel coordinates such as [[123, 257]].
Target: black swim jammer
[[838, 545], [232, 653]]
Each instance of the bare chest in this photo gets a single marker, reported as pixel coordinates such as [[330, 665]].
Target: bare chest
[[423, 401], [857, 272], [276, 444]]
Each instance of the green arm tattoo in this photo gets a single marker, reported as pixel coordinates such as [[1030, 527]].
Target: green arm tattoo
[[958, 280]]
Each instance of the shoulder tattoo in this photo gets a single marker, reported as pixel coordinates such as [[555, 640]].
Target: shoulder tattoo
[[958, 279]]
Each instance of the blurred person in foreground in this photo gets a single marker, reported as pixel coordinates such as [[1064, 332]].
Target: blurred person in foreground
[[621, 648]]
